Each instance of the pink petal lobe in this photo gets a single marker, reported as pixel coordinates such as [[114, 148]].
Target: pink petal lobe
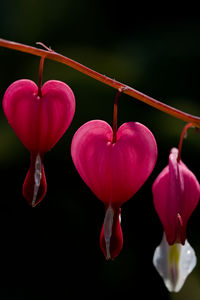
[[114, 172], [176, 194], [35, 186], [132, 161], [39, 122]]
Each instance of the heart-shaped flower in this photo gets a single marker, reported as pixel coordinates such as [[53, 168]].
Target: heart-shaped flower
[[39, 122], [113, 171]]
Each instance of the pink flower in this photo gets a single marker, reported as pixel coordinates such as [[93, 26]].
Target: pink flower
[[39, 122], [176, 193], [113, 171]]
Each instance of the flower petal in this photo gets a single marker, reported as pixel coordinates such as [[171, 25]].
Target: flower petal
[[174, 263], [176, 193], [111, 238], [35, 185], [114, 172], [39, 122]]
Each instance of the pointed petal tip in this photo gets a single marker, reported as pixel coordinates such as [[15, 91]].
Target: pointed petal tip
[[35, 185], [111, 238]]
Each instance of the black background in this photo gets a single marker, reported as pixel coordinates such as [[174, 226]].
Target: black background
[[53, 249]]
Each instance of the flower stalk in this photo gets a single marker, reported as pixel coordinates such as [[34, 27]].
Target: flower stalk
[[115, 110], [49, 54], [183, 134], [40, 76]]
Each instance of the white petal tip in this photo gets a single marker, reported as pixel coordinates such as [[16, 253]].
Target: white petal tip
[[174, 263], [37, 178]]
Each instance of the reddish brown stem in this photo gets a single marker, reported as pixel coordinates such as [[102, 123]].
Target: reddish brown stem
[[40, 76], [115, 123], [183, 133], [115, 111], [104, 79]]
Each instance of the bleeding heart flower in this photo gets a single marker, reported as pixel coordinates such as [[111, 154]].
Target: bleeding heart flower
[[114, 171], [39, 122], [176, 193]]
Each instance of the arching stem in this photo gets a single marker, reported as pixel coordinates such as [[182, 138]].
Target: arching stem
[[104, 79]]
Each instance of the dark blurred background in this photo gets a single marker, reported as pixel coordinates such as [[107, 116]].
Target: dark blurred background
[[53, 249]]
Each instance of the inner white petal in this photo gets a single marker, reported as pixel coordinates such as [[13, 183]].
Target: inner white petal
[[37, 178], [108, 223], [174, 263]]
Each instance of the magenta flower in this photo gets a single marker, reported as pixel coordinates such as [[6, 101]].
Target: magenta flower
[[39, 122], [114, 171], [176, 193]]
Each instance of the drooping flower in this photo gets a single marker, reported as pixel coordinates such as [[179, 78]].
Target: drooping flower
[[39, 121], [176, 193], [114, 171]]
